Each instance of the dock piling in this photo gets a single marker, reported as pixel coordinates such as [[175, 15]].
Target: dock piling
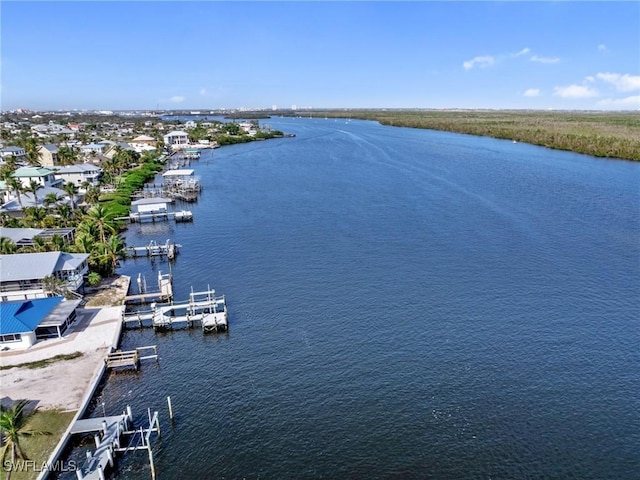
[[170, 409]]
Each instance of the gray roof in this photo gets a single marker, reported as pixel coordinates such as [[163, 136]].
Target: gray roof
[[17, 234], [29, 266], [79, 168], [28, 199], [151, 201], [51, 147]]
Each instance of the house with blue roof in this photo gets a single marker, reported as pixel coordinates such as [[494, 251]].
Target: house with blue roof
[[25, 322]]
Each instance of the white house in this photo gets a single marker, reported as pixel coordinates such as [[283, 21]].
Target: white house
[[78, 174], [43, 176], [22, 274], [18, 153], [92, 148], [177, 139]]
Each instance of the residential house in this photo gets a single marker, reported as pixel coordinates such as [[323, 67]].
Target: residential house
[[24, 322], [78, 174], [176, 139], [18, 153], [24, 237], [44, 176], [112, 149], [143, 143], [14, 205], [22, 274], [48, 155], [92, 149]]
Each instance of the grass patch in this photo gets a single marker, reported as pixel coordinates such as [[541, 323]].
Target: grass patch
[[45, 362], [39, 447]]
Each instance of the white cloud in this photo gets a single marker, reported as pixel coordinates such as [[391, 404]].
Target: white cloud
[[481, 61], [203, 91], [575, 91], [524, 51], [177, 99], [633, 101], [602, 48], [532, 92], [539, 59], [622, 83]]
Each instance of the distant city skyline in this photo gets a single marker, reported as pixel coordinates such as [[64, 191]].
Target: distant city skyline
[[211, 55]]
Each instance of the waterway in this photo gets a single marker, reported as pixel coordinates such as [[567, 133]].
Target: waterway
[[404, 304]]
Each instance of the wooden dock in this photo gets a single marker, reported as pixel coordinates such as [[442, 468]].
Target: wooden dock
[[130, 358]]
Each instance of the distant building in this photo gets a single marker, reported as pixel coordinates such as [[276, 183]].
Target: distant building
[[176, 139], [18, 153], [48, 155]]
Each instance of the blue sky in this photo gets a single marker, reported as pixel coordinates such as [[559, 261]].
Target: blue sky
[[212, 54]]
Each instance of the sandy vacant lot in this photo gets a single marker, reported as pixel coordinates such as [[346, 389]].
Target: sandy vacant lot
[[62, 384]]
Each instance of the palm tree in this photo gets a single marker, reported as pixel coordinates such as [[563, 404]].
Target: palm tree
[[31, 148], [50, 199], [110, 254], [71, 190], [34, 216], [64, 212], [16, 186], [7, 246], [84, 243], [33, 187], [67, 155], [53, 285], [92, 195], [13, 426], [103, 221]]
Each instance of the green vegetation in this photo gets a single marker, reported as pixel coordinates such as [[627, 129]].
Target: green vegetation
[[45, 362], [38, 435], [601, 134]]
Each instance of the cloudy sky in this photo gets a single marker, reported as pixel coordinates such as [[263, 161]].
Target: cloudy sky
[[384, 54]]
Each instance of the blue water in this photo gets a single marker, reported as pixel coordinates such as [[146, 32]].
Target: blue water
[[404, 304]]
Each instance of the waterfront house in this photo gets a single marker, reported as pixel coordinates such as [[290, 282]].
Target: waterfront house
[[22, 274], [24, 322], [176, 139], [48, 155]]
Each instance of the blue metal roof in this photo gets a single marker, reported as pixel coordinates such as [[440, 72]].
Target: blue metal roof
[[25, 315]]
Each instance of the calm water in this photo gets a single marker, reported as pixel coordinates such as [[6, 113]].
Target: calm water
[[404, 304]]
